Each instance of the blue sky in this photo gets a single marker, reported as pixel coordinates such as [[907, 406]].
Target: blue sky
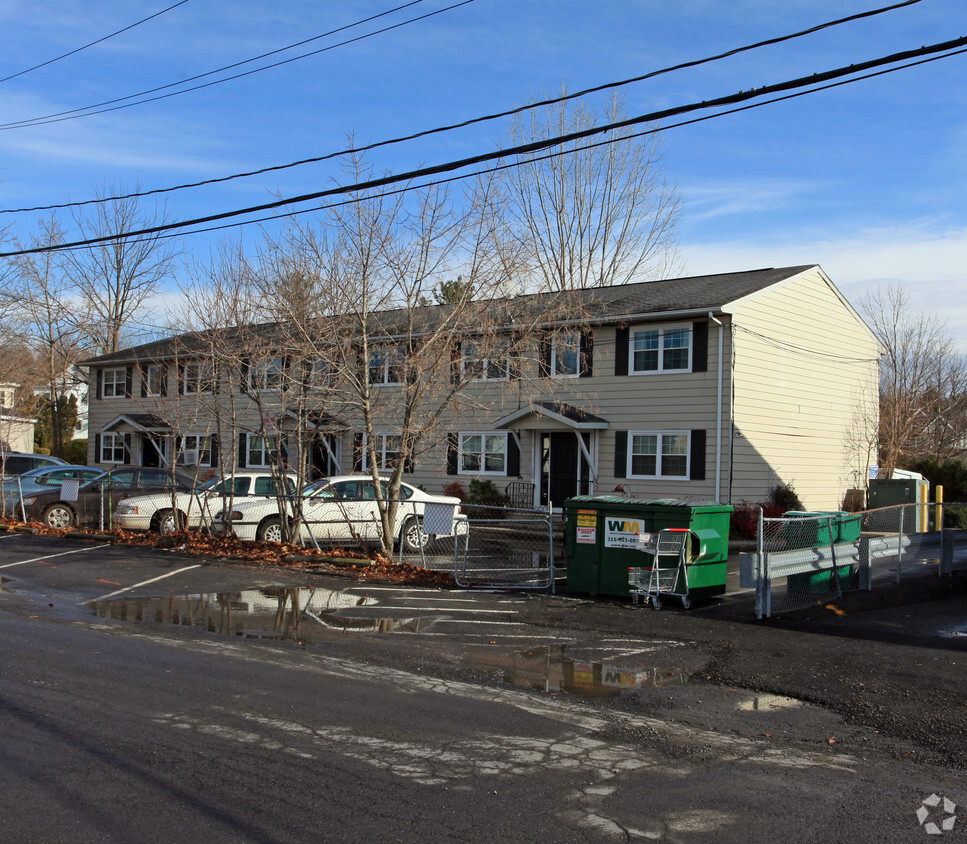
[[868, 180]]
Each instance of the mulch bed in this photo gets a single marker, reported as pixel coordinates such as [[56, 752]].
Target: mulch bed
[[229, 550]]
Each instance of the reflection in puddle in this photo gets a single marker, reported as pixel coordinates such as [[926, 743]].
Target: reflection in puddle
[[548, 670], [767, 703], [286, 614]]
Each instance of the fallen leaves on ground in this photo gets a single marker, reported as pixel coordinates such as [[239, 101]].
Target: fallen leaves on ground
[[289, 556]]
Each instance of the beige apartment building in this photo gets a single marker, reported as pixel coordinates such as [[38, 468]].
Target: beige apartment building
[[714, 387]]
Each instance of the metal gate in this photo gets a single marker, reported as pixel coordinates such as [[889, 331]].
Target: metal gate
[[515, 552]]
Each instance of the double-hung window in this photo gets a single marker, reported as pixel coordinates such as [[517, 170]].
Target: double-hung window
[[482, 454], [386, 365], [196, 450], [114, 383], [663, 349], [112, 448], [386, 449], [152, 375], [198, 377], [566, 355], [658, 454], [267, 374], [262, 451], [491, 364]]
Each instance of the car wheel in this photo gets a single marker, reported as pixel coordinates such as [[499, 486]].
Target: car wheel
[[270, 530], [58, 516], [168, 522], [412, 538]]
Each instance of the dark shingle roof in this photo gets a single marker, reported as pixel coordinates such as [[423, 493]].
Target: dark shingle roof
[[599, 304]]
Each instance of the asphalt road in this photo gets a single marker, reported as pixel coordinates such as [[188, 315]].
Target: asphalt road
[[336, 710]]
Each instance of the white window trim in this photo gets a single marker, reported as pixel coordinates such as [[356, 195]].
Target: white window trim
[[260, 371], [468, 359], [576, 337], [461, 438], [117, 441], [146, 377], [394, 358], [114, 384], [204, 374], [199, 437], [380, 451], [266, 453], [661, 329], [661, 435]]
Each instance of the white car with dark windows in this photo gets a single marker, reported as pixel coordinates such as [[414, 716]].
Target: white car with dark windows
[[338, 511], [192, 509]]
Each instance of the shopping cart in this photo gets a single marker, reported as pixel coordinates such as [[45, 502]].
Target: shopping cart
[[667, 573]]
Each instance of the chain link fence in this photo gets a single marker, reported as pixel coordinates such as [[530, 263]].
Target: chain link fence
[[809, 558]]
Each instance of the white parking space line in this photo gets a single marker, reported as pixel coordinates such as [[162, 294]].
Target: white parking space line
[[460, 610], [144, 583], [51, 556]]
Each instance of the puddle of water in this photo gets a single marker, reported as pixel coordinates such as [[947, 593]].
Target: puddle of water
[[547, 669], [769, 703], [292, 614]]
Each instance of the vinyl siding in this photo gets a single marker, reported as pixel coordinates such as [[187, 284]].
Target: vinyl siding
[[805, 379]]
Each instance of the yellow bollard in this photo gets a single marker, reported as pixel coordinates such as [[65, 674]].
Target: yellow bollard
[[923, 495], [938, 510]]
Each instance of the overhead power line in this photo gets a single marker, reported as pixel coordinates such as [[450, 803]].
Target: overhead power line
[[475, 120], [521, 149], [88, 111], [92, 43]]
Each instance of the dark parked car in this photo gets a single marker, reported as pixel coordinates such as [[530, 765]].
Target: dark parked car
[[41, 480], [17, 462], [100, 496]]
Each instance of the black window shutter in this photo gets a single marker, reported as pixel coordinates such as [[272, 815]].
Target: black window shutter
[[97, 445], [128, 456], [243, 374], [622, 339], [408, 464], [99, 389], [621, 454], [545, 356], [242, 451], [214, 441], [181, 379], [284, 385], [700, 346], [697, 456], [586, 361], [358, 452], [163, 376], [128, 380], [144, 380], [451, 454], [513, 456], [455, 354]]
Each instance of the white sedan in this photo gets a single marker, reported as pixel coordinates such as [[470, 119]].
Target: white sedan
[[344, 510], [190, 509]]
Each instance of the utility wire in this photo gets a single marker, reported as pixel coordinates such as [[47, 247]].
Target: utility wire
[[607, 142], [519, 150], [93, 43], [86, 111], [475, 120]]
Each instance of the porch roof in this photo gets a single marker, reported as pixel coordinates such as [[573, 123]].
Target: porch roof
[[142, 422], [556, 411]]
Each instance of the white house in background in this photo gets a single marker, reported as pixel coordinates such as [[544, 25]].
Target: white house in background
[[73, 383], [16, 432], [715, 387]]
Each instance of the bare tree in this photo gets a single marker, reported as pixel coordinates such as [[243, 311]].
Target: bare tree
[[923, 382], [49, 320], [117, 277], [599, 212]]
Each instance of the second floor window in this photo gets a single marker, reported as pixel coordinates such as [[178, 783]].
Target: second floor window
[[386, 366], [267, 374], [198, 377], [566, 355], [114, 383], [490, 364], [152, 375], [661, 350]]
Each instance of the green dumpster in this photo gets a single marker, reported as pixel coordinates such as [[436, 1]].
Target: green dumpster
[[813, 529], [601, 535]]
